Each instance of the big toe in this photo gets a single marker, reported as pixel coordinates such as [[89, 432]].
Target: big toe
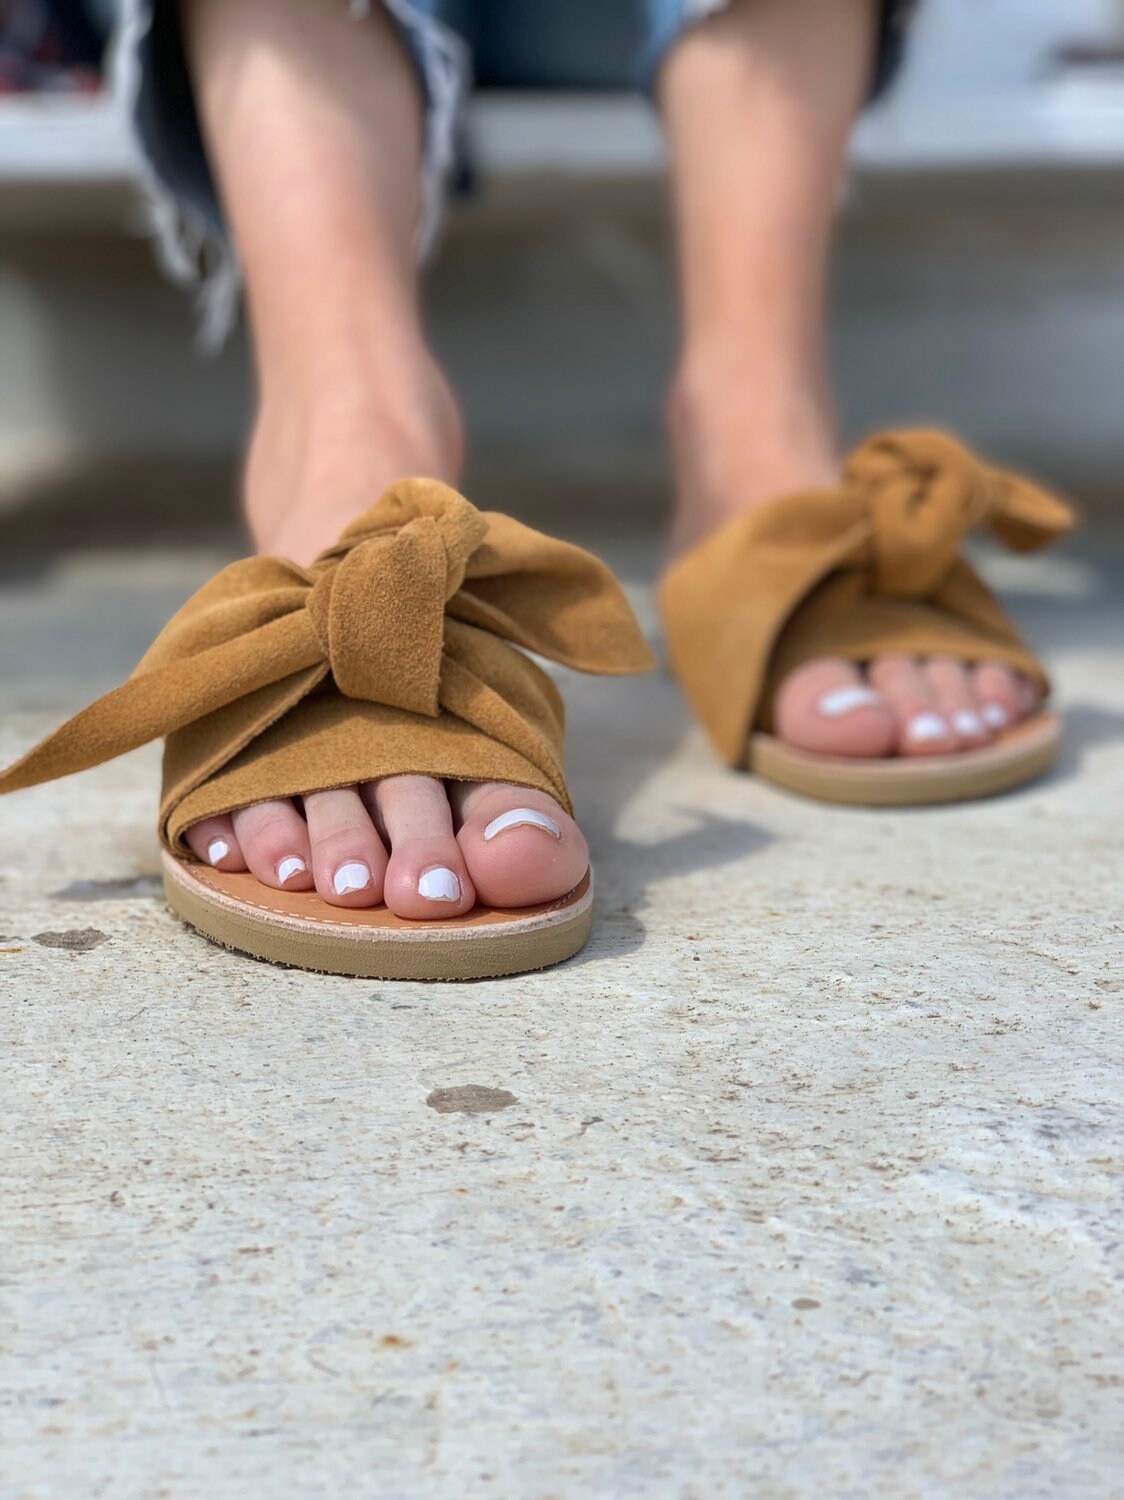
[[829, 708], [520, 847]]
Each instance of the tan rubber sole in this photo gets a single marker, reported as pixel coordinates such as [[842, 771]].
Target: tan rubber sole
[[297, 928], [1016, 757]]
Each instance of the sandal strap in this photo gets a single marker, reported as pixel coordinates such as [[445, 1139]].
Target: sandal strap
[[869, 567], [414, 616]]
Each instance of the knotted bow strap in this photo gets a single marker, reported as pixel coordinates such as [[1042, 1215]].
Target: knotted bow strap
[[869, 568], [410, 620], [922, 492]]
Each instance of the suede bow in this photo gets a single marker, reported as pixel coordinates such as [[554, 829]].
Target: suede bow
[[869, 568], [922, 492], [412, 611]]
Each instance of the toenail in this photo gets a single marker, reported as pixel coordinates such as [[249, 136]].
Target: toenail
[[217, 849], [964, 721], [290, 867], [995, 716], [351, 877], [845, 700], [439, 885], [927, 726], [522, 817]]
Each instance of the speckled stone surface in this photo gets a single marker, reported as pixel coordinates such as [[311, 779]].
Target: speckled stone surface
[[803, 1180]]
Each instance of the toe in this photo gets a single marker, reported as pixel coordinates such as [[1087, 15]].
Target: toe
[[922, 728], [1004, 696], [950, 684], [214, 841], [1030, 694], [274, 841], [426, 877], [830, 708], [519, 846], [348, 857]]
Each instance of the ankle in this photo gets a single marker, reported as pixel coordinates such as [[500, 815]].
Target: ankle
[[318, 458], [742, 434], [749, 402]]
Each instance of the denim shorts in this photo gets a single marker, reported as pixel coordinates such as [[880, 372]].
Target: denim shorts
[[525, 44]]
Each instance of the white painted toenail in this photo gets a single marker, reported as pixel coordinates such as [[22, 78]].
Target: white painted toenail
[[522, 817], [845, 700], [290, 867], [964, 721], [439, 885], [927, 726], [217, 849], [351, 877], [995, 716]]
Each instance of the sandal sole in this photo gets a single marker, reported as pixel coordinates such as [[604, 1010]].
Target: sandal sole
[[1016, 757], [300, 930]]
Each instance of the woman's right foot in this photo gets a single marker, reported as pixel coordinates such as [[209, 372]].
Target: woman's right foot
[[426, 848]]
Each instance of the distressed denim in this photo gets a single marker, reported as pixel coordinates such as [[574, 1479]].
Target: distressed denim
[[600, 44]]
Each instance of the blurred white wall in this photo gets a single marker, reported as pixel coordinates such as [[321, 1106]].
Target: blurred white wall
[[972, 47]]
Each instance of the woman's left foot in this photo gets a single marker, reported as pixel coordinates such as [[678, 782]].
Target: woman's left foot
[[735, 448]]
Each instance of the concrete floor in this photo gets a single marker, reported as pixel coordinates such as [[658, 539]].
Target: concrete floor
[[803, 1180]]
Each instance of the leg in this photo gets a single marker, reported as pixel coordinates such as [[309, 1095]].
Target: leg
[[313, 122], [314, 130], [758, 103]]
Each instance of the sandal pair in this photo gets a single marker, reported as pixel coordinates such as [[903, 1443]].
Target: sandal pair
[[401, 650]]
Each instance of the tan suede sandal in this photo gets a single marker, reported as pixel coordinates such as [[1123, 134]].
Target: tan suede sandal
[[868, 569], [393, 653]]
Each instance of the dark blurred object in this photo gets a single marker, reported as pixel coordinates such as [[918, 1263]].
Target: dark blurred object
[[49, 46], [551, 44], [595, 44], [1088, 55]]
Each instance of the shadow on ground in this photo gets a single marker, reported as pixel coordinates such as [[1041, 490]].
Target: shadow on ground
[[1087, 725], [620, 738]]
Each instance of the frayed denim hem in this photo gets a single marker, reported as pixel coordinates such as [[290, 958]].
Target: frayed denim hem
[[149, 78], [668, 19]]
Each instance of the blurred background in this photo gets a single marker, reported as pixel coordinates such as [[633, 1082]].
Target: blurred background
[[978, 282]]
